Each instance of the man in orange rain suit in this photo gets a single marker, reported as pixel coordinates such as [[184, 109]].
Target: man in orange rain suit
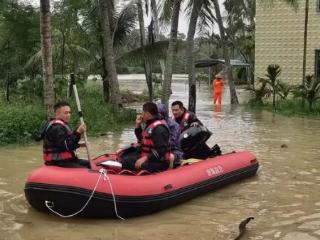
[[217, 87]]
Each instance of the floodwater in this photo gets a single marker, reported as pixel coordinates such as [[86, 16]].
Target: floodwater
[[283, 198]]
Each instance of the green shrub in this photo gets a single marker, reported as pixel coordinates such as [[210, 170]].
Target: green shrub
[[136, 69], [19, 120], [99, 116]]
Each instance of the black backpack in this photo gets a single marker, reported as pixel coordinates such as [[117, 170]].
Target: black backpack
[[39, 134]]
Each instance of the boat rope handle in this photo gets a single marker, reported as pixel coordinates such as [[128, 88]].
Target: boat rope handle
[[106, 178], [50, 204]]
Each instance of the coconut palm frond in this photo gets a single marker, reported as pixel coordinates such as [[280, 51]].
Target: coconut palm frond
[[205, 21], [125, 23], [188, 8], [260, 93], [264, 80], [153, 52], [284, 89], [146, 6], [317, 86], [273, 72], [308, 81], [207, 16], [80, 50], [166, 11], [34, 60]]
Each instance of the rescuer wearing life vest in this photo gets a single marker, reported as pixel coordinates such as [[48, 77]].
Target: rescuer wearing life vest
[[187, 120], [217, 85], [153, 136], [183, 117], [59, 141]]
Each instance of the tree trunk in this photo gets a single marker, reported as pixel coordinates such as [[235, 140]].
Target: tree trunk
[[147, 65], [108, 54], [46, 53], [310, 105], [105, 80], [63, 54], [155, 17], [274, 98], [190, 53], [104, 75], [166, 88], [233, 93], [8, 87]]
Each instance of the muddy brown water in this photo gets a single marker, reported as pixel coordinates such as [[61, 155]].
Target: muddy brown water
[[283, 198]]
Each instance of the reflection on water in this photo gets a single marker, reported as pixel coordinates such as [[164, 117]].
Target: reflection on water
[[283, 198]]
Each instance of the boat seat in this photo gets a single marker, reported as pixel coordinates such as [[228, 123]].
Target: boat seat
[[190, 161]]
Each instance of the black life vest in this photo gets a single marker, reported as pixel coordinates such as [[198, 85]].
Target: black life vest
[[53, 153]]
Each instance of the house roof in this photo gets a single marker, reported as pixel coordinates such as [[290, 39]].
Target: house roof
[[211, 62]]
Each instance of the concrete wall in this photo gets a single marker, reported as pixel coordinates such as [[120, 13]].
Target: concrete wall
[[279, 38]]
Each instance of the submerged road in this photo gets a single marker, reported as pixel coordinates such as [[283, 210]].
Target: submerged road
[[283, 198]]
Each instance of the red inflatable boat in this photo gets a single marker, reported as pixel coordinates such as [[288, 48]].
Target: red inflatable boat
[[105, 193]]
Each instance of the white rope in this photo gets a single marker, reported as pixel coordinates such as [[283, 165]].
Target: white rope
[[106, 178], [76, 213], [50, 204]]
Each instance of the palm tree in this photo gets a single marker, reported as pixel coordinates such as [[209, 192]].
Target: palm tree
[[46, 49], [240, 28], [120, 23], [166, 90], [196, 7], [156, 30], [108, 54], [155, 18], [259, 93], [273, 73], [147, 63], [226, 56]]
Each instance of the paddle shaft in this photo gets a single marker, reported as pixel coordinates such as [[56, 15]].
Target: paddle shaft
[[75, 90]]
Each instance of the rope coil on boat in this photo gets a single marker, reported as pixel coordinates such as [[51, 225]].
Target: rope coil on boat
[[50, 204]]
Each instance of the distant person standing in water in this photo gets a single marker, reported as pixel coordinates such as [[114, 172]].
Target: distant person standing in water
[[217, 86]]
